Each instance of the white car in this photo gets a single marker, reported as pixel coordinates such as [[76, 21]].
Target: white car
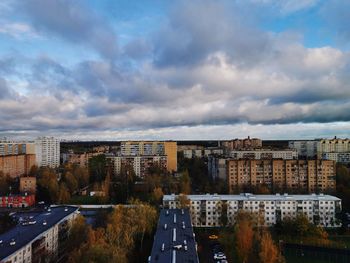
[[219, 255]]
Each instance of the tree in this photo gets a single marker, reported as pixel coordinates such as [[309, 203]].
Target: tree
[[157, 195], [71, 182], [5, 183], [268, 250], [78, 233], [183, 201], [97, 168], [185, 183], [223, 215], [34, 170], [48, 189], [244, 239], [63, 194]]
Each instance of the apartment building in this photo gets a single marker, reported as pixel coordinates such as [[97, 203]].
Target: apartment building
[[80, 159], [305, 149], [40, 238], [47, 151], [264, 154], [174, 240], [149, 148], [298, 175], [140, 164], [335, 149], [16, 165], [217, 168], [207, 210], [200, 153], [242, 144]]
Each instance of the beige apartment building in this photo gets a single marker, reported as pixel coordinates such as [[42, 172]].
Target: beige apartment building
[[27, 184], [242, 144], [298, 175], [16, 165], [140, 148]]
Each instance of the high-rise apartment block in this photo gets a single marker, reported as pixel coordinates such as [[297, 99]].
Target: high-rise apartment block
[[47, 151], [298, 175], [206, 210], [140, 148], [16, 159], [140, 164]]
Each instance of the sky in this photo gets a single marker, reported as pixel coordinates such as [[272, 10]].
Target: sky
[[173, 69]]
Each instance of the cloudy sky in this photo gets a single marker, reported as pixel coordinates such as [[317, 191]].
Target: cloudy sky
[[158, 69]]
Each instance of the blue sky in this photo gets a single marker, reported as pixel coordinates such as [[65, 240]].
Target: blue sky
[[160, 69]]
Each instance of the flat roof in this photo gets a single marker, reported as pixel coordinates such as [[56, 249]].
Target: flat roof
[[176, 238], [248, 196], [23, 235]]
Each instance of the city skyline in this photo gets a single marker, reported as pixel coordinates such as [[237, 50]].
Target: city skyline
[[119, 70]]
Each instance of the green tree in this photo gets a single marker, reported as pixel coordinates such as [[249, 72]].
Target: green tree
[[97, 168]]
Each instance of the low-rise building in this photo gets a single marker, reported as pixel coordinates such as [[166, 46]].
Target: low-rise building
[[206, 210], [38, 236], [27, 184], [174, 240], [17, 201]]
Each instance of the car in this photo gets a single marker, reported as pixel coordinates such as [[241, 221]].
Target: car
[[44, 223], [213, 237], [219, 255], [12, 242]]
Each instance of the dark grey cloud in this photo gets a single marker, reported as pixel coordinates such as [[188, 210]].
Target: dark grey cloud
[[73, 21]]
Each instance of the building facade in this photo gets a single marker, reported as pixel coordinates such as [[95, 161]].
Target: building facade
[[140, 164], [27, 184], [335, 149], [41, 236], [264, 154], [149, 148], [16, 165], [305, 149], [299, 175], [207, 210], [242, 144], [47, 150], [17, 201]]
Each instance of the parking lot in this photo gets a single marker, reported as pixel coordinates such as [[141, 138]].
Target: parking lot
[[207, 245]]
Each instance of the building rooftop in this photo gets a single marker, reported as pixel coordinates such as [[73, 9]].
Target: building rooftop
[[174, 240], [23, 234], [248, 196]]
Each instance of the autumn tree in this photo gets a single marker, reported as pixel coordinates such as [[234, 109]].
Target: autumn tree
[[223, 215], [183, 201], [157, 195], [5, 183], [71, 182], [185, 183], [268, 250], [48, 188], [63, 194], [244, 236]]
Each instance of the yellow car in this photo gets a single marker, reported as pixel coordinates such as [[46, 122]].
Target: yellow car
[[213, 237]]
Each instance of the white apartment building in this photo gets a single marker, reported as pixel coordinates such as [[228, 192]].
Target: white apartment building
[[140, 164], [39, 236], [306, 149], [336, 149], [264, 154], [206, 209], [47, 150]]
